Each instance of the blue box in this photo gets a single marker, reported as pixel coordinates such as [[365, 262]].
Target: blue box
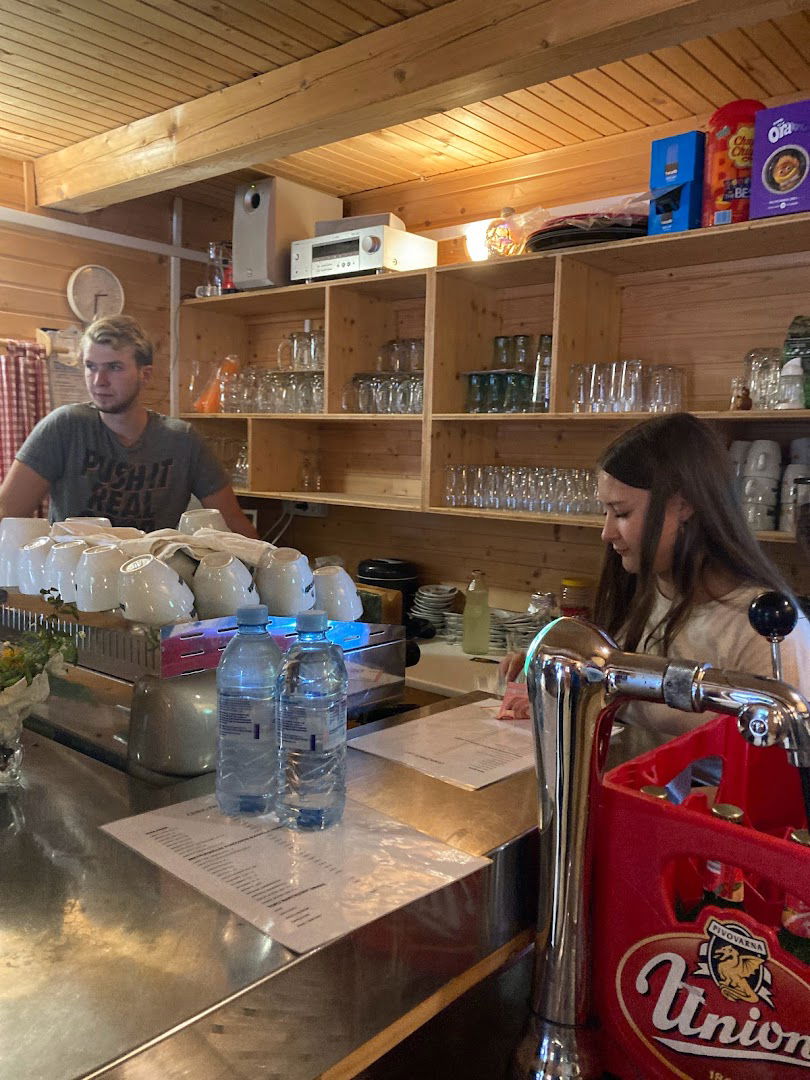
[[676, 182], [677, 160]]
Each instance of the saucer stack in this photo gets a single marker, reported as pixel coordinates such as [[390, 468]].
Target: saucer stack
[[432, 601]]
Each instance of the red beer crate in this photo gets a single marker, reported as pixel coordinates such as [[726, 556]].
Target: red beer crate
[[680, 989]]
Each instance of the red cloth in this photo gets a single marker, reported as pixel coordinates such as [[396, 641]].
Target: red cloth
[[24, 399], [23, 396]]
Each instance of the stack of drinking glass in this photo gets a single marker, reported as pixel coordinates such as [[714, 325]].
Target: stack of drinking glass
[[397, 384], [519, 380], [626, 386], [536, 488]]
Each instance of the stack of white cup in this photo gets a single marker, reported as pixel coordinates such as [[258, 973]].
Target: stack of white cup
[[787, 497], [760, 484]]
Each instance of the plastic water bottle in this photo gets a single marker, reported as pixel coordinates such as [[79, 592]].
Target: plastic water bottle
[[247, 743], [312, 693]]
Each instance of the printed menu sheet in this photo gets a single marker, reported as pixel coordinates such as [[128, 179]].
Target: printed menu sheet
[[301, 888], [466, 746]]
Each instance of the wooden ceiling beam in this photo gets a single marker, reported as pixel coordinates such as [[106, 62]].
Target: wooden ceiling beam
[[464, 51]]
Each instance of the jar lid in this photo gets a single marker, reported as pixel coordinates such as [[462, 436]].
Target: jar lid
[[575, 582]]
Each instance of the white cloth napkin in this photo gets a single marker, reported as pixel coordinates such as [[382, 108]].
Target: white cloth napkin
[[165, 542]]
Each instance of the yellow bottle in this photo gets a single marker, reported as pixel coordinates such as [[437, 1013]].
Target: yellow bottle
[[475, 625]]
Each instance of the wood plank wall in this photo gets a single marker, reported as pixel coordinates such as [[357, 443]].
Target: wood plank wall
[[35, 266], [519, 557]]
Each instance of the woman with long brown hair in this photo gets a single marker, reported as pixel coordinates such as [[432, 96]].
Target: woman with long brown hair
[[681, 564]]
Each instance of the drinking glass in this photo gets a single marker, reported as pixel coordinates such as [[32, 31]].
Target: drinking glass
[[761, 369], [455, 485], [494, 389], [502, 352], [476, 396], [522, 355], [598, 387], [579, 388], [317, 350], [416, 351], [294, 352], [626, 386]]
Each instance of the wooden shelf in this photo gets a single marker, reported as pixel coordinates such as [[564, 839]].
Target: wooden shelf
[[788, 235], [340, 498], [257, 302], [585, 521], [319, 418], [633, 417]]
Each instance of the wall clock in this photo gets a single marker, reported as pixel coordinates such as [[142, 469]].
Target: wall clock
[[93, 291]]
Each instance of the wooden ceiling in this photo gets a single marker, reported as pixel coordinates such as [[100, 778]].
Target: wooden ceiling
[[71, 70]]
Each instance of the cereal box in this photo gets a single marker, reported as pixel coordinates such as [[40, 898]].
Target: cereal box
[[780, 183]]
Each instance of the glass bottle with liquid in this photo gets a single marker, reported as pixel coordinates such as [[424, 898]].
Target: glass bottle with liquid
[[475, 624], [723, 885]]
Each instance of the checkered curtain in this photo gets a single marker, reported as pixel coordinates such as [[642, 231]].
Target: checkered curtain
[[23, 396]]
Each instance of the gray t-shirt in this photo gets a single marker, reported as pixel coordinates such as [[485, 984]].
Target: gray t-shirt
[[91, 474]]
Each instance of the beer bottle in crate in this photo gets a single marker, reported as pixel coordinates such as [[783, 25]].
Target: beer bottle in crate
[[794, 935], [655, 792], [723, 885]]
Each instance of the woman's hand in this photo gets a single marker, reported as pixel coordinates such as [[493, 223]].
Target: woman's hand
[[511, 666]]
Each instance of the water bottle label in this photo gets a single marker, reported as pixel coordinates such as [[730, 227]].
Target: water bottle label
[[314, 730], [246, 719]]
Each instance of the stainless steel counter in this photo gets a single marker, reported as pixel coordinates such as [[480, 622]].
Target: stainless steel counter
[[113, 967]]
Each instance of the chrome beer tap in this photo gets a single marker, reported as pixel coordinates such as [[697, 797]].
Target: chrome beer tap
[[574, 672]]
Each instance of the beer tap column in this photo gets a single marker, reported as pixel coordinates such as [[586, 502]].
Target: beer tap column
[[573, 672]]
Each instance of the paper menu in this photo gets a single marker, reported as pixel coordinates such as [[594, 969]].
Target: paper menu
[[301, 888], [465, 746]]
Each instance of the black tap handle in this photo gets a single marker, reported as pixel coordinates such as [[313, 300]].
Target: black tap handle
[[773, 615]]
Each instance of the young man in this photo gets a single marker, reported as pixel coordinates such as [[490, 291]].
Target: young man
[[112, 457]]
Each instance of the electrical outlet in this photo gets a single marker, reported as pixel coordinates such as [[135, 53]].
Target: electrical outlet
[[304, 509]]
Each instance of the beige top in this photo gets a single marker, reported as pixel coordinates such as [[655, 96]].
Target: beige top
[[718, 633]]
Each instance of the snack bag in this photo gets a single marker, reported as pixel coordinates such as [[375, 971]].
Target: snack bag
[[729, 155]]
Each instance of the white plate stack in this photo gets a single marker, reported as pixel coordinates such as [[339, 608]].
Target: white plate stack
[[432, 601]]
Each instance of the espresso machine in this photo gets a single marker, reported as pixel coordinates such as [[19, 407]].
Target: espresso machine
[[144, 699], [577, 678]]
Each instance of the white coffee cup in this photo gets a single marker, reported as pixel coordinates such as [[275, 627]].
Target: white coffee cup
[[15, 532], [285, 582], [759, 486], [221, 584], [183, 564], [151, 592], [60, 568], [789, 478], [31, 565], [800, 451], [764, 458], [760, 516], [336, 594], [193, 520], [104, 522], [738, 451], [97, 577]]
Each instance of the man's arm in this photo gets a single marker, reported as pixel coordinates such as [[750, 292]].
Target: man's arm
[[23, 490], [225, 501]]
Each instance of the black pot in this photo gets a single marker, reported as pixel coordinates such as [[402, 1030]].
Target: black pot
[[391, 574]]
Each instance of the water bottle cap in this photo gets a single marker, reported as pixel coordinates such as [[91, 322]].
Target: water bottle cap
[[310, 622], [252, 616]]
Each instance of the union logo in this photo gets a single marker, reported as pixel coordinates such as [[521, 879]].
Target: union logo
[[689, 999]]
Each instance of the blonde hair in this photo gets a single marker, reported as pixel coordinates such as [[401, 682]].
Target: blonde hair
[[119, 332]]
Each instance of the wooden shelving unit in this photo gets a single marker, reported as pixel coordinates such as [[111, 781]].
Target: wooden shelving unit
[[699, 300]]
